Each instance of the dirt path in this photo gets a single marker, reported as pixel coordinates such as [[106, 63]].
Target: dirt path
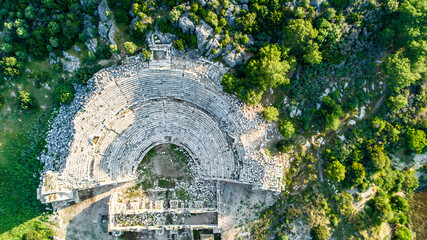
[[366, 196]]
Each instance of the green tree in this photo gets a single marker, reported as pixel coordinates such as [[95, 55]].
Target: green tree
[[130, 47], [356, 173], [53, 28], [270, 113], [140, 29], [410, 183], [329, 32], [269, 71], [287, 129], [10, 66], [399, 204], [2, 101], [248, 22], [284, 146], [6, 47], [391, 6], [330, 13], [332, 112], [378, 159], [22, 33], [54, 42], [399, 71], [229, 83], [386, 36], [336, 171], [379, 210], [174, 15], [298, 33], [313, 56], [319, 232], [212, 19], [26, 101], [113, 48], [30, 12], [402, 233], [339, 4], [416, 140], [395, 103], [252, 97]]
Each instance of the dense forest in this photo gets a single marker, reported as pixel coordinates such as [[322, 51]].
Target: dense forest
[[351, 72]]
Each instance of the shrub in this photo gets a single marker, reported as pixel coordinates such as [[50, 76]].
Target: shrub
[[284, 146], [399, 204], [113, 48], [146, 54], [379, 210], [178, 44], [85, 73], [319, 232], [212, 19], [26, 101], [336, 171], [130, 47], [416, 140], [229, 83], [64, 93], [402, 233], [174, 15], [270, 113], [103, 52], [287, 129]]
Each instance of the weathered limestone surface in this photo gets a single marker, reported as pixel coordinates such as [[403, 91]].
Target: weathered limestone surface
[[203, 32], [186, 25]]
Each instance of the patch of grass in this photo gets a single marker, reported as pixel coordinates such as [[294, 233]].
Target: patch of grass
[[19, 171], [36, 226]]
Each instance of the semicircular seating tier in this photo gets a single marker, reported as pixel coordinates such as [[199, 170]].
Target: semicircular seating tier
[[101, 137]]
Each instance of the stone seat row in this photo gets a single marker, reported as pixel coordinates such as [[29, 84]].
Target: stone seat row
[[196, 131]]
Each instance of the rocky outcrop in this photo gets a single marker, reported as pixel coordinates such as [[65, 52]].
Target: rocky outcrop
[[91, 44], [70, 62], [88, 26], [102, 30], [234, 58], [203, 2], [102, 9], [186, 25], [76, 48], [203, 32], [106, 28], [111, 34], [245, 7], [229, 15]]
